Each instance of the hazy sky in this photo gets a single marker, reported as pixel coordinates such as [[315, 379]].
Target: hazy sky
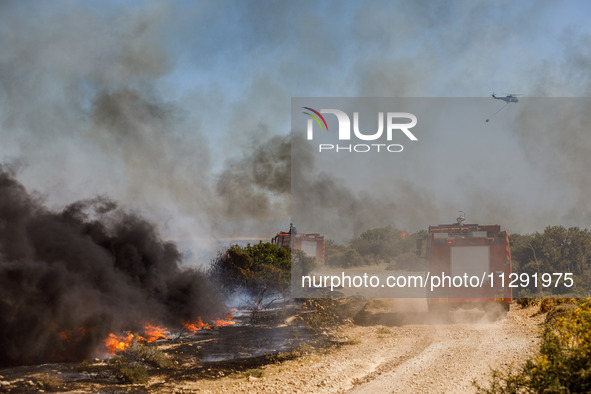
[[178, 109]]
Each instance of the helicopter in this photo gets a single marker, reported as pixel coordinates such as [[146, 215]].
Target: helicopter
[[510, 98]]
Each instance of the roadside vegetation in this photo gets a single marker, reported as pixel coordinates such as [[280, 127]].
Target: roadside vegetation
[[320, 314], [555, 250], [563, 364]]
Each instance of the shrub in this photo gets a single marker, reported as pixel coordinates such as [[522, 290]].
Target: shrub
[[130, 365], [127, 371], [134, 374], [147, 354], [319, 314], [383, 330], [49, 382], [255, 373], [564, 362], [85, 366], [559, 311], [345, 257], [547, 304]]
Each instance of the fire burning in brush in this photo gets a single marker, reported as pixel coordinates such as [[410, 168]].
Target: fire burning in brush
[[91, 264], [198, 324], [115, 343], [151, 333], [227, 322]]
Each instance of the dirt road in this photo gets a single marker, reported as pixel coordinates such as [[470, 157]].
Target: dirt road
[[389, 346], [399, 348]]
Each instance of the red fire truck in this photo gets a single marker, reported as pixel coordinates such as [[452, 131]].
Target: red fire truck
[[311, 244], [479, 252]]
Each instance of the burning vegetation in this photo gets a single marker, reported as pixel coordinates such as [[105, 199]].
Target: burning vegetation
[[117, 343], [72, 279], [94, 280]]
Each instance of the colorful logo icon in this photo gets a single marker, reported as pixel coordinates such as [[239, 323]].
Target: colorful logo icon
[[316, 118]]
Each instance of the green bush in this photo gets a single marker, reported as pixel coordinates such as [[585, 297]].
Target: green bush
[[559, 310], [147, 354], [547, 304], [383, 330], [564, 362], [263, 270], [255, 373], [319, 314], [134, 374], [345, 257], [131, 365], [383, 243], [126, 371]]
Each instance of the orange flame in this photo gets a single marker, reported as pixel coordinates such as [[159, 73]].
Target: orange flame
[[197, 325], [227, 322], [152, 333], [115, 343]]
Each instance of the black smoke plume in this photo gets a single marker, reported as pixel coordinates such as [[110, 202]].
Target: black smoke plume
[[69, 278]]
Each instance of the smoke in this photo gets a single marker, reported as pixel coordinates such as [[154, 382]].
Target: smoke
[[93, 102], [83, 113], [341, 197], [160, 107], [70, 277], [256, 187], [553, 134], [279, 177]]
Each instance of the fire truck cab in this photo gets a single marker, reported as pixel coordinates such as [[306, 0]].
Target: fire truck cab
[[468, 251]]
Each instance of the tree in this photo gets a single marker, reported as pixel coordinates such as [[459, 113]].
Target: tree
[[381, 243], [263, 271], [557, 250], [341, 256], [378, 245]]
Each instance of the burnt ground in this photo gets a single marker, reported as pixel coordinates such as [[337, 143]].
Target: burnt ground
[[256, 340], [393, 346]]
